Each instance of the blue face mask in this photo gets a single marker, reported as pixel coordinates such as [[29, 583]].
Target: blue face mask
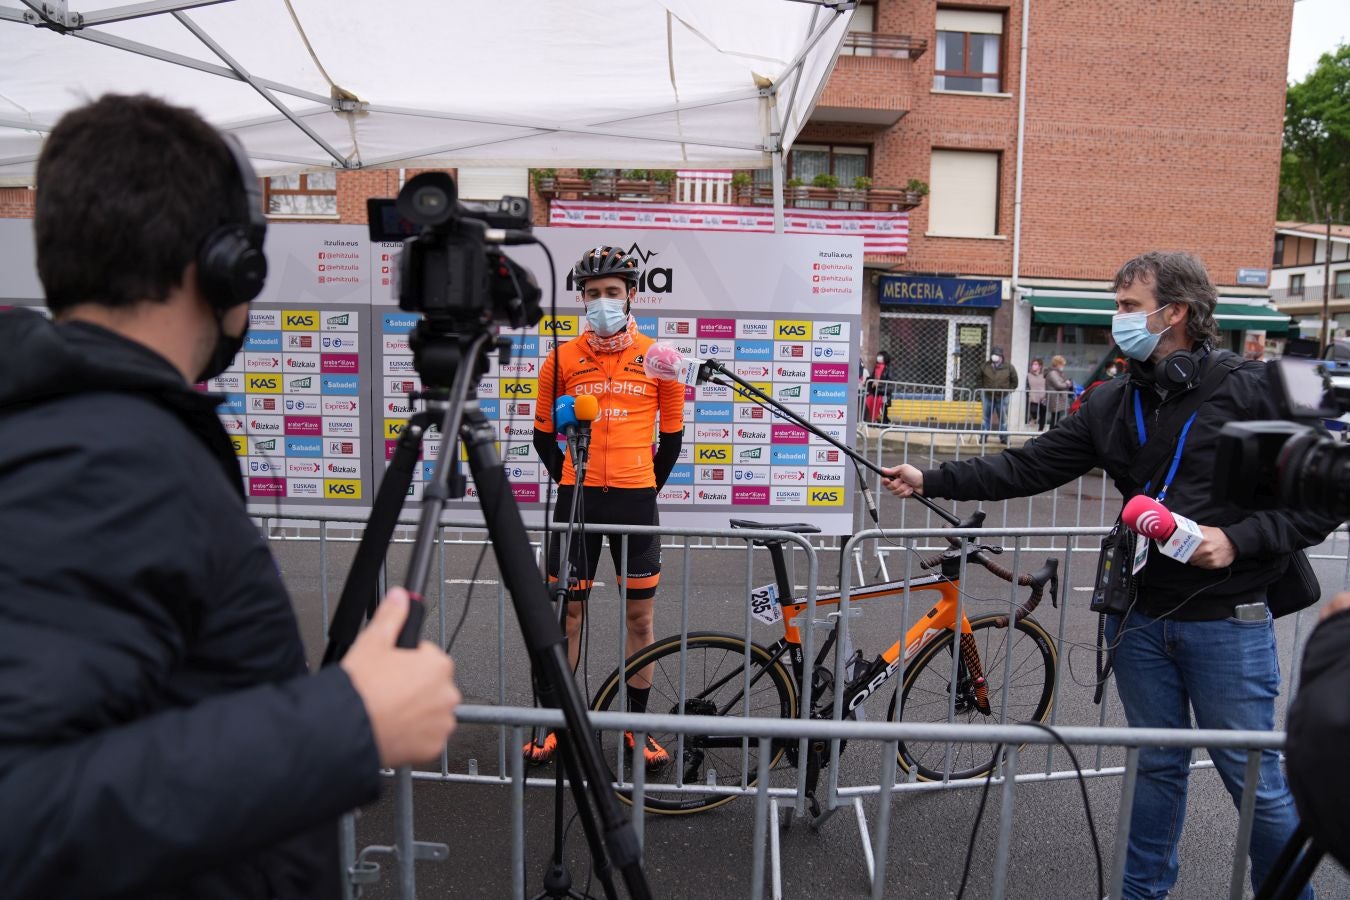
[[1130, 331], [606, 317]]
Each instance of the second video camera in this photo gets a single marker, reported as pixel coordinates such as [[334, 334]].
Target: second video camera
[[1274, 464]]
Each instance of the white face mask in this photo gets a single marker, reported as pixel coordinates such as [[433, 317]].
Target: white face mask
[[880, 359], [605, 316], [996, 359]]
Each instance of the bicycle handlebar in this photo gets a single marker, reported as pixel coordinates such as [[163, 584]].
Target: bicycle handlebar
[[1048, 573]]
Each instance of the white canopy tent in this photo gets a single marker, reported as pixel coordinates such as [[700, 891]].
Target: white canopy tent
[[312, 84]]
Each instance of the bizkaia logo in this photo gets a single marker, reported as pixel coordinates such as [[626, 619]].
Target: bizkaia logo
[[265, 425], [339, 468], [792, 372], [398, 407], [827, 476], [712, 495], [824, 455], [652, 280], [307, 362], [755, 433], [517, 430]]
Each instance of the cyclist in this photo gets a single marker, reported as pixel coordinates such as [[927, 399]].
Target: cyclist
[[623, 475]]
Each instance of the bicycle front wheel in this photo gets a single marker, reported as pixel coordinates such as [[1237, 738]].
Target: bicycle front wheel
[[926, 693], [714, 684]]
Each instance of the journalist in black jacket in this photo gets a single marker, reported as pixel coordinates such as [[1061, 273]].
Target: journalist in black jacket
[[131, 601], [1198, 638], [159, 733]]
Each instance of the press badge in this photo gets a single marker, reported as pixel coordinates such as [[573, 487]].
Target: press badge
[[1140, 554]]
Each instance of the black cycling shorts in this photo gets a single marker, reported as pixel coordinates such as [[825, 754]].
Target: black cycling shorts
[[616, 506]]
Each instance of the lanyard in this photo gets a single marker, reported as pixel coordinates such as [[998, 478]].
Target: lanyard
[[1176, 457]]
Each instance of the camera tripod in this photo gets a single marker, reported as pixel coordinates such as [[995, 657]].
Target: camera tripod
[[441, 356]]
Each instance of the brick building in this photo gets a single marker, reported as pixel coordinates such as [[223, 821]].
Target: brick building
[[1142, 125]]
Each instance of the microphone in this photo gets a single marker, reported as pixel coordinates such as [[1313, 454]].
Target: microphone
[[587, 409], [1176, 536], [665, 363]]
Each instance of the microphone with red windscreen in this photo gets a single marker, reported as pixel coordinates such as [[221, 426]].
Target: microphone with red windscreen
[[1176, 536]]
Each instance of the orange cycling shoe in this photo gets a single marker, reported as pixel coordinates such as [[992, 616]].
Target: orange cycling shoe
[[537, 753], [653, 752]]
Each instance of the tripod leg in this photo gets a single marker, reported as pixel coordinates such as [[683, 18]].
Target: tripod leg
[[546, 645]]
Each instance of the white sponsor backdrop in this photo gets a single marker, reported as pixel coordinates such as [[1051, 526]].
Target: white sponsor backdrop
[[782, 311]]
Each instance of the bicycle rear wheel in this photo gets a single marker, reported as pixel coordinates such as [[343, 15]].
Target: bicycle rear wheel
[[925, 695], [714, 684]]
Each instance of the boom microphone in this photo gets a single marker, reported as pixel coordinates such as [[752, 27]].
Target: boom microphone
[[666, 363], [1176, 536]]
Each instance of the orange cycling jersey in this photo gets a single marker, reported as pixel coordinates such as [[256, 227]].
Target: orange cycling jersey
[[623, 433]]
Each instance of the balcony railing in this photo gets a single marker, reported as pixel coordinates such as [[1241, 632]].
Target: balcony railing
[[698, 191], [896, 46]]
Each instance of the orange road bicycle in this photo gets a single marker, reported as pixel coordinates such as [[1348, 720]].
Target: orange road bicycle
[[997, 676]]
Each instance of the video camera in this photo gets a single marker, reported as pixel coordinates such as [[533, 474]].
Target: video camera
[[450, 269], [1274, 464]]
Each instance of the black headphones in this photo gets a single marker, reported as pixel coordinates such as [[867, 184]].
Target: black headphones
[[231, 266], [1179, 369]]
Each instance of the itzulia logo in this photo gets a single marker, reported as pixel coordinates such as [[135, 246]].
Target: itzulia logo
[[653, 280]]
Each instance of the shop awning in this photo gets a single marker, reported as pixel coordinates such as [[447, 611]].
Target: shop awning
[[1232, 315]]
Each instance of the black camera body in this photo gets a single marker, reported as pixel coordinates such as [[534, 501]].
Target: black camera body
[[1287, 463], [450, 269]]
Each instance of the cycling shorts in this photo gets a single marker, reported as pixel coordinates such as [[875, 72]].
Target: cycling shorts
[[616, 506]]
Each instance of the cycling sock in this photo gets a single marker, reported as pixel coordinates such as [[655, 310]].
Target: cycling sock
[[637, 698]]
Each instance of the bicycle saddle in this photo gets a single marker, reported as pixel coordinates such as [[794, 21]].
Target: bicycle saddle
[[797, 527]]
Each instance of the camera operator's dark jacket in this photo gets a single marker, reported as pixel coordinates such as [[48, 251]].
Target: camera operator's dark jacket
[[1319, 735], [159, 735], [1103, 433]]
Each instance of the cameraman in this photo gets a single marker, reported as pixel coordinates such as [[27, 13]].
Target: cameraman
[[1190, 640], [623, 475], [1319, 732], [159, 734]]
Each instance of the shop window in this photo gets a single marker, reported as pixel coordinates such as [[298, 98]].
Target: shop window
[[307, 194], [963, 198], [969, 51]]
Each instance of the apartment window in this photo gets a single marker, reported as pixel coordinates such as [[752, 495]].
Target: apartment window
[[963, 198], [1279, 251], [806, 161], [969, 51], [1296, 285], [864, 22], [1341, 290], [309, 194]]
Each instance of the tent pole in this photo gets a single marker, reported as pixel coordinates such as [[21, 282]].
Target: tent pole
[[777, 138]]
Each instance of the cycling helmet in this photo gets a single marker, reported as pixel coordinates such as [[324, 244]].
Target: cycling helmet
[[605, 262]]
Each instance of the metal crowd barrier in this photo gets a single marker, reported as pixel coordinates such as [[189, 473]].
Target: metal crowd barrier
[[1075, 547]]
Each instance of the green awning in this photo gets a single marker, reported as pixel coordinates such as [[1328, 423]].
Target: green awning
[[1231, 315]]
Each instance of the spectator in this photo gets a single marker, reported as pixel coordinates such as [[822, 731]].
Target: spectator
[[880, 389], [998, 379], [1058, 390], [1036, 394]]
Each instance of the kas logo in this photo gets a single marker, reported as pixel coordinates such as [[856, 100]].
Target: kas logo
[[300, 320], [824, 496], [791, 330], [341, 489], [560, 326], [712, 454]]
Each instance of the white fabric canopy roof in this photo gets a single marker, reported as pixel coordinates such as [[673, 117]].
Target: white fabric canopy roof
[[361, 84]]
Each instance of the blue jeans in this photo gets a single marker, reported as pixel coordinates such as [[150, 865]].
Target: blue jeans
[[1228, 672], [996, 402]]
